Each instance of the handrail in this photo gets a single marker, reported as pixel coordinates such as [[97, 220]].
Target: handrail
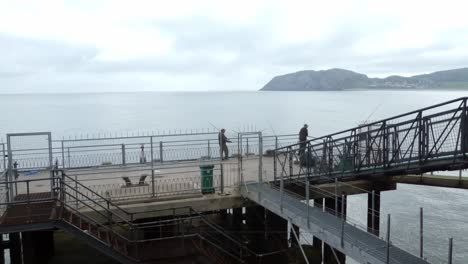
[[95, 193], [94, 221], [98, 204], [461, 99]]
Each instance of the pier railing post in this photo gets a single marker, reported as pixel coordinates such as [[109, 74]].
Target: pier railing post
[[69, 157], [260, 156], [123, 154], [76, 192], [63, 156], [388, 239], [209, 149], [421, 234], [336, 196], [281, 189], [152, 167], [464, 129], [384, 144], [291, 154], [275, 169], [373, 212], [450, 251], [308, 184], [221, 167], [161, 152], [247, 147], [343, 219], [3, 156]]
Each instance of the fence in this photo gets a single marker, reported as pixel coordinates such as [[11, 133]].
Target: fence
[[119, 151], [167, 181]]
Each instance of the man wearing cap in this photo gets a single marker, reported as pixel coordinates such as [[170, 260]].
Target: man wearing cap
[[303, 133], [222, 140]]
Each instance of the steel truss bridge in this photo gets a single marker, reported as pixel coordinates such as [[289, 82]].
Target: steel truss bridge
[[434, 138]]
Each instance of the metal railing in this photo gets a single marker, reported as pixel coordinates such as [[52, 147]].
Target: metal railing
[[432, 138], [167, 181], [143, 150]]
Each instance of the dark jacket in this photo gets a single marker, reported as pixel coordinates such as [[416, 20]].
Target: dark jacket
[[303, 134], [222, 139]]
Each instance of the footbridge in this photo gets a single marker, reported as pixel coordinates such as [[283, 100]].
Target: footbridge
[[116, 192]]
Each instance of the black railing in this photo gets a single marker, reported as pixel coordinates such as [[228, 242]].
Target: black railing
[[428, 139]]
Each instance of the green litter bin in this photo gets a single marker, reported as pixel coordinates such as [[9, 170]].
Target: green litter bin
[[206, 173]]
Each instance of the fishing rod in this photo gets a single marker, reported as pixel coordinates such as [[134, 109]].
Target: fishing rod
[[373, 111]]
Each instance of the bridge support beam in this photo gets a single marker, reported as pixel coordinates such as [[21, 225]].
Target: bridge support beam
[[373, 219], [291, 235], [328, 255]]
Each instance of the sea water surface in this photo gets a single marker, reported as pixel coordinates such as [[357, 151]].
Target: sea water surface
[[70, 115]]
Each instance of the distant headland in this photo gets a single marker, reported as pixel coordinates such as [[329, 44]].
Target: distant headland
[[340, 79]]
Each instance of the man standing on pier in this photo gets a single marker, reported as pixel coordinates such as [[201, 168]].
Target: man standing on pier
[[303, 134], [222, 140]]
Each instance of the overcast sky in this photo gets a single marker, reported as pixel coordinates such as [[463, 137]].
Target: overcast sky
[[100, 46]]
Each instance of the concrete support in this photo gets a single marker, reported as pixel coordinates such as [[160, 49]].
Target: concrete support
[[328, 256], [15, 248], [38, 246], [373, 219]]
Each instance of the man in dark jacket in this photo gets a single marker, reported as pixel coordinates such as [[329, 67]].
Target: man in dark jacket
[[303, 134], [222, 140]]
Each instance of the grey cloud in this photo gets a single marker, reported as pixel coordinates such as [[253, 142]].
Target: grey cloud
[[23, 56], [198, 42]]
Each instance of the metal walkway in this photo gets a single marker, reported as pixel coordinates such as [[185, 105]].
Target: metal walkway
[[434, 138], [354, 242]]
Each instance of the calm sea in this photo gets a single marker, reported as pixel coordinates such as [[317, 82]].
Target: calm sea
[[70, 115]]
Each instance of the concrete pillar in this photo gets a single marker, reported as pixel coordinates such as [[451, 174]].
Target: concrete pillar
[[376, 230], [328, 256], [15, 248]]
